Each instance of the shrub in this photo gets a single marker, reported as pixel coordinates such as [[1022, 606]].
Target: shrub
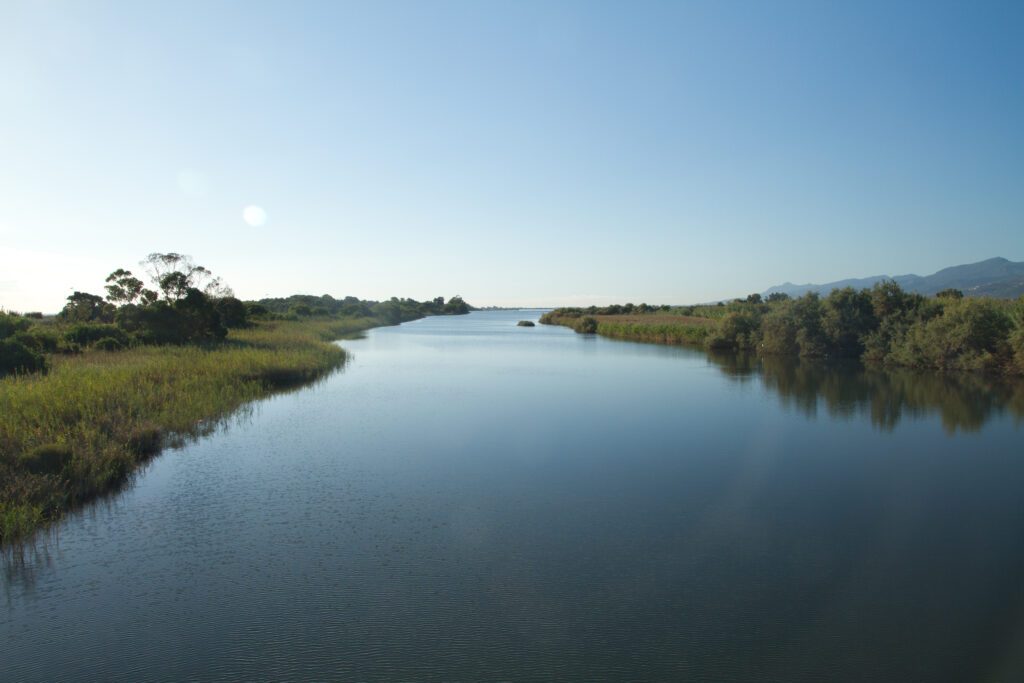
[[586, 325], [39, 339], [87, 334], [233, 313], [15, 357], [738, 330], [10, 324], [108, 344], [525, 323]]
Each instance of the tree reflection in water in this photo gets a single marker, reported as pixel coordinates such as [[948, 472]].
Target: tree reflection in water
[[963, 400]]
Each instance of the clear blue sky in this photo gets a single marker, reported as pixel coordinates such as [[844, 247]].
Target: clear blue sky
[[515, 153]]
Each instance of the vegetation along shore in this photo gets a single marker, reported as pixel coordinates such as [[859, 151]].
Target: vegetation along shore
[[88, 395], [884, 324]]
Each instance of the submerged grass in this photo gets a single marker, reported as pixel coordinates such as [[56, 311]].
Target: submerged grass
[[83, 428]]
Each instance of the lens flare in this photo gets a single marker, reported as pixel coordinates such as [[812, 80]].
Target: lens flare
[[255, 216]]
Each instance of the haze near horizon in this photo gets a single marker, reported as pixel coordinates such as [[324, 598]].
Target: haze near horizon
[[513, 153]]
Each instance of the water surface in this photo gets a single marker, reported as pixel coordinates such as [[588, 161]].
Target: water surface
[[470, 500]]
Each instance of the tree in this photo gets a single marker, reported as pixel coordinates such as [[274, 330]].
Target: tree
[[847, 317], [456, 306], [123, 287], [232, 312], [174, 274], [84, 307]]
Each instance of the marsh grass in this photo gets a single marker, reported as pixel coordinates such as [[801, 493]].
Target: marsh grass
[[658, 329], [84, 427]]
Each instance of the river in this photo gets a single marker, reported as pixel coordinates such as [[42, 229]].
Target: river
[[471, 500]]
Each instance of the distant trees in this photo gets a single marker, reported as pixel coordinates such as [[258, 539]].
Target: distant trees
[[85, 307]]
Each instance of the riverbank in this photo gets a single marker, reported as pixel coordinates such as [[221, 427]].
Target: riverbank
[[882, 325], [650, 328], [83, 428]]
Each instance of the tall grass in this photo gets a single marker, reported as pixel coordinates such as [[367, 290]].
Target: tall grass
[[83, 428], [651, 328]]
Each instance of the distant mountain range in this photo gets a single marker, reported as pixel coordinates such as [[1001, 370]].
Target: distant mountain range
[[995, 277]]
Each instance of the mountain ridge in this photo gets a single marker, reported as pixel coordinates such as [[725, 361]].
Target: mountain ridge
[[996, 277]]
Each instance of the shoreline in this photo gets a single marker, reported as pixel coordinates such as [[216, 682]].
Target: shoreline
[[82, 430]]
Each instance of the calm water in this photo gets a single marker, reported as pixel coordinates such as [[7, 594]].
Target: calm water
[[469, 500]]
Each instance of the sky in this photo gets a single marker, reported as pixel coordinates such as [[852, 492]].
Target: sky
[[515, 153]]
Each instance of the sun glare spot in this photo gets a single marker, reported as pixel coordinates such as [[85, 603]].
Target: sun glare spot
[[255, 216]]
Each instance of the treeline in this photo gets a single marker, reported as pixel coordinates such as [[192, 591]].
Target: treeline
[[883, 324], [394, 310], [184, 304]]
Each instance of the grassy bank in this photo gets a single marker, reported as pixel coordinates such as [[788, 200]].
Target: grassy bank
[[651, 328], [82, 428]]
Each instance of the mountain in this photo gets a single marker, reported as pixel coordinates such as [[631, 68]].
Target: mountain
[[996, 277]]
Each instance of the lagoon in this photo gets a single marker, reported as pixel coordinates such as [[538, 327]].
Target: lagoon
[[469, 499]]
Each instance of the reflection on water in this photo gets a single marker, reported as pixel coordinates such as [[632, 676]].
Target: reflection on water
[[964, 401]]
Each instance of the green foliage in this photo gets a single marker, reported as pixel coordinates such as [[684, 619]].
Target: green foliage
[[84, 307], [233, 313], [123, 287], [586, 325], [847, 316], [968, 335], [779, 330], [108, 344], [737, 330], [17, 358], [11, 324], [884, 324], [456, 306], [87, 334]]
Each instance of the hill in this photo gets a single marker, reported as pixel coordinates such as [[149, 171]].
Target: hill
[[995, 277]]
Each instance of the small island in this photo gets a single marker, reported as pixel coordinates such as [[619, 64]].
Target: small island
[[525, 323]]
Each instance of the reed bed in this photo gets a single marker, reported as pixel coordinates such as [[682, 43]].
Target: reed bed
[[84, 427], [651, 328]]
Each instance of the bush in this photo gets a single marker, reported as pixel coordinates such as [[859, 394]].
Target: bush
[[191, 320], [15, 357], [39, 339], [738, 330], [969, 334], [108, 344], [586, 325], [233, 313], [87, 334], [10, 324]]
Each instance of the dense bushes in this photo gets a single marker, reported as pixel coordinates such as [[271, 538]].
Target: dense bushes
[[15, 357], [883, 324], [18, 352]]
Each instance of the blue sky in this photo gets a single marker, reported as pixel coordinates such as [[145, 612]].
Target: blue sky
[[520, 153]]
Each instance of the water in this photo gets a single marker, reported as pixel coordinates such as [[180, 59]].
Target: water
[[470, 500]]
